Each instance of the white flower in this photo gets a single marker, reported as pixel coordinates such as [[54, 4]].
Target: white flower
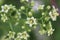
[[4, 17], [19, 35], [50, 31], [25, 35], [53, 14], [11, 34], [31, 21], [5, 8]]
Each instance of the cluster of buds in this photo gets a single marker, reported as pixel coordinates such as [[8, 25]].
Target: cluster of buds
[[9, 11], [48, 13]]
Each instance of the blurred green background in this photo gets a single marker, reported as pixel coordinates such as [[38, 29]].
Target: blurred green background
[[4, 27]]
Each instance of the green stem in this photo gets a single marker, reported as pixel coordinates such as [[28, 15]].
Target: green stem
[[11, 26]]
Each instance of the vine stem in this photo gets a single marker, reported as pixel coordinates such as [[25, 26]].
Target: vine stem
[[11, 26]]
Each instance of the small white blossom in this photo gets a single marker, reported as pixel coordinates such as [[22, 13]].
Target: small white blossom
[[50, 31], [25, 35], [4, 17], [11, 34], [19, 35], [31, 21], [53, 15], [5, 8]]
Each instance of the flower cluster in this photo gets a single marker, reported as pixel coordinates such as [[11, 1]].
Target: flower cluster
[[20, 36], [9, 12], [4, 17], [6, 8], [49, 13], [53, 14], [11, 34], [31, 21], [50, 30], [25, 18], [24, 35]]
